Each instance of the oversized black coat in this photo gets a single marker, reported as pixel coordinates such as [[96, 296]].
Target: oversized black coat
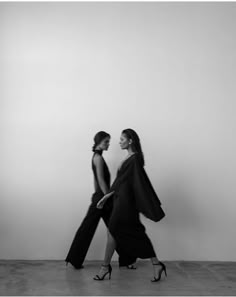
[[133, 194]]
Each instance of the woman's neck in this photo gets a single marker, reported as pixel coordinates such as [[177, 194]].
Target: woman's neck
[[130, 151], [98, 151]]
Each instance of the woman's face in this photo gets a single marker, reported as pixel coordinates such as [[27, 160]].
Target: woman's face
[[124, 142], [104, 144]]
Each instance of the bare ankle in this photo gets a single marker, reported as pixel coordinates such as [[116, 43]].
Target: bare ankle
[[155, 261]]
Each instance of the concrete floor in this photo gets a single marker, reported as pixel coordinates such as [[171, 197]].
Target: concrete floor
[[55, 278]]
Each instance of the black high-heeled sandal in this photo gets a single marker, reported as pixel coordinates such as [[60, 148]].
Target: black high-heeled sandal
[[163, 268], [100, 278]]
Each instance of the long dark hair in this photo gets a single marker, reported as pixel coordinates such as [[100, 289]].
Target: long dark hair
[[135, 145], [98, 138]]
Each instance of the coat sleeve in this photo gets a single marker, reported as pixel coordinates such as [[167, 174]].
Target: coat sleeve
[[146, 199]]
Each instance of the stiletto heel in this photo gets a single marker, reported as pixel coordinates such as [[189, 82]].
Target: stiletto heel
[[108, 272], [163, 268]]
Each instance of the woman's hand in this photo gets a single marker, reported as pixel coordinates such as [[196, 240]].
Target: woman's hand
[[101, 202]]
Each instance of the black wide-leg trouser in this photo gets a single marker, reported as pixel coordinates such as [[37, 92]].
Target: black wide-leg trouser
[[86, 231]]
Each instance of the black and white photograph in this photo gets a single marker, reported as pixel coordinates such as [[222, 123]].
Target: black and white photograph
[[117, 148]]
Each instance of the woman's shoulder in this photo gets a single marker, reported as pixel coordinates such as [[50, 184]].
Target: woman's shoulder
[[136, 160], [97, 158], [133, 159]]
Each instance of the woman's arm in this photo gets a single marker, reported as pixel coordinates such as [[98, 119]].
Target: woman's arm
[[99, 165], [101, 202], [115, 185]]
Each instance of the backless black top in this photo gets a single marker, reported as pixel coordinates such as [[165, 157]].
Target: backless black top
[[106, 173]]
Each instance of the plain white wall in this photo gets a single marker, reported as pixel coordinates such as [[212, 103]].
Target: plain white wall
[[68, 70]]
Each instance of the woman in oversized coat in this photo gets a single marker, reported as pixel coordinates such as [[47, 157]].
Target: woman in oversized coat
[[132, 193]]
